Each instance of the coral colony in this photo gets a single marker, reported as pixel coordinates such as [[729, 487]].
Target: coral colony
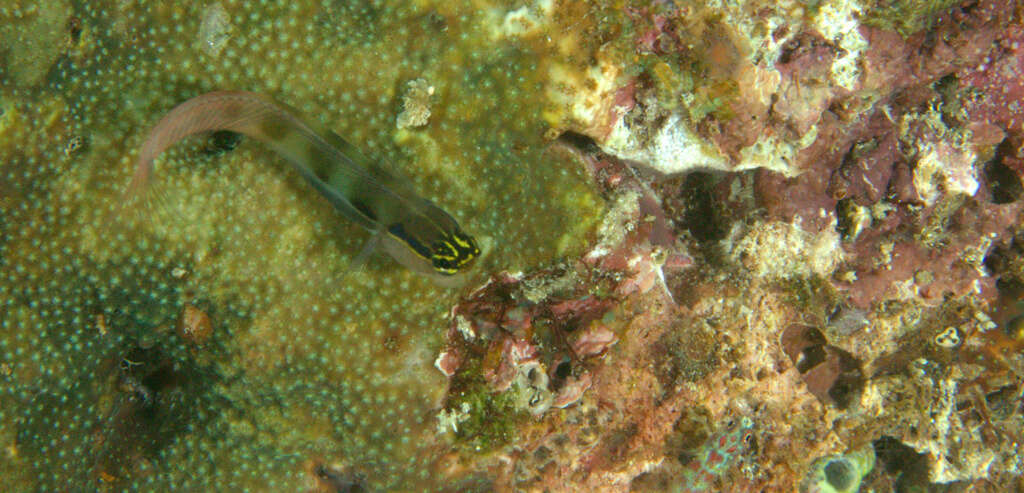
[[724, 246]]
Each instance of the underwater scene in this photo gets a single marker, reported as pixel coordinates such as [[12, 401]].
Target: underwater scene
[[498, 245]]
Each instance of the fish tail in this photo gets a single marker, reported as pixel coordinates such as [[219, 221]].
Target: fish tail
[[237, 111]]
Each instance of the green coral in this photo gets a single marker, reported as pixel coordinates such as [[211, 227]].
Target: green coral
[[32, 34], [308, 359]]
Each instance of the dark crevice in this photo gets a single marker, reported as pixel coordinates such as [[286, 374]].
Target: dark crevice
[[902, 461], [162, 395], [74, 27], [1003, 182], [832, 374], [562, 371], [579, 141], [704, 217], [337, 481]]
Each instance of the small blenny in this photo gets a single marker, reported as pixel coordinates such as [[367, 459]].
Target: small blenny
[[414, 231]]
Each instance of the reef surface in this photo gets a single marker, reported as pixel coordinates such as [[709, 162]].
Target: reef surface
[[728, 246]]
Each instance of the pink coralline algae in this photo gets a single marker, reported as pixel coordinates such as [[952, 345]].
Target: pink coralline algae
[[888, 161], [512, 323], [995, 108]]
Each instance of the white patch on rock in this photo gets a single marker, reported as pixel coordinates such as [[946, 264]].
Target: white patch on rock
[[837, 22], [619, 221], [673, 149], [450, 419], [943, 167], [583, 100], [677, 149], [779, 250], [465, 328], [530, 388], [525, 20]]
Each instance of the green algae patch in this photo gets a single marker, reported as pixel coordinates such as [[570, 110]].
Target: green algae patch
[[905, 16], [484, 420]]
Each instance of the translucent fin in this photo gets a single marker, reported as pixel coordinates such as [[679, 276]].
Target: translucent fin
[[137, 206], [359, 262]]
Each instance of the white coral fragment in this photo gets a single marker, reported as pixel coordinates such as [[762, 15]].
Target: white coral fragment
[[837, 22], [673, 149], [415, 104], [449, 419], [530, 388], [525, 20], [779, 250], [214, 29], [943, 167]]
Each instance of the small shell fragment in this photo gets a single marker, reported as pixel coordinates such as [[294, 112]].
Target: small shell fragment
[[572, 391], [949, 338], [214, 29], [447, 362], [194, 325]]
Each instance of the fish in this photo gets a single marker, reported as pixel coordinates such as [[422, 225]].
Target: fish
[[411, 229]]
